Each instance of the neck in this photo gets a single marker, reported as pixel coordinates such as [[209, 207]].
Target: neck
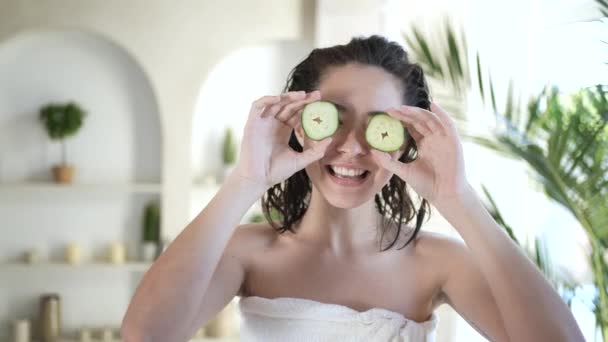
[[340, 231]]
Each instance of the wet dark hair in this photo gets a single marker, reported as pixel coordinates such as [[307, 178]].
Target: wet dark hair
[[290, 198]]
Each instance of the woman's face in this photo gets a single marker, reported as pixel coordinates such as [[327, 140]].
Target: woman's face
[[358, 91]]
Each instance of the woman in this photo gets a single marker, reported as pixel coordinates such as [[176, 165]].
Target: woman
[[344, 263]]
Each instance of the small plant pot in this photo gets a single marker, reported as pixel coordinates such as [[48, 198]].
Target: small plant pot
[[63, 174], [148, 250]]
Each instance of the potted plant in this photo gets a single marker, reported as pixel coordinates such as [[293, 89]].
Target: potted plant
[[62, 121], [228, 152], [151, 231], [561, 137]]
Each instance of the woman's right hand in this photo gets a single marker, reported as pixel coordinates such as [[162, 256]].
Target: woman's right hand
[[266, 157]]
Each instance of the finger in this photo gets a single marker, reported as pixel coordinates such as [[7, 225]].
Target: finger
[[310, 155], [429, 118], [386, 161], [285, 99], [257, 107], [292, 108], [411, 121], [415, 134], [296, 119], [444, 116]]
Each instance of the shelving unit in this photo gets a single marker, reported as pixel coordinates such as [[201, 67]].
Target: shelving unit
[[60, 266], [200, 339], [151, 188], [107, 192]]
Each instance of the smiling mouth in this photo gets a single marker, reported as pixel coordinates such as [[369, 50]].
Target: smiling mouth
[[331, 172]]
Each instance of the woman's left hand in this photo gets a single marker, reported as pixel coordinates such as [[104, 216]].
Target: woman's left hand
[[438, 173]]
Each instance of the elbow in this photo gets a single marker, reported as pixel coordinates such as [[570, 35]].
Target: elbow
[[132, 332]]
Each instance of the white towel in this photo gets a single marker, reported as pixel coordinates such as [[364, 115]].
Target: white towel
[[298, 319]]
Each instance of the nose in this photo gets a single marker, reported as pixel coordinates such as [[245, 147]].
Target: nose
[[353, 143]]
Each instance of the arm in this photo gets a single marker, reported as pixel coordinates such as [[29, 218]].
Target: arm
[[530, 308], [167, 301], [195, 277], [467, 291]]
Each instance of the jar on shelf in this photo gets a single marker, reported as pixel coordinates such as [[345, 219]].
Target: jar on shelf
[[117, 253], [21, 330], [50, 317]]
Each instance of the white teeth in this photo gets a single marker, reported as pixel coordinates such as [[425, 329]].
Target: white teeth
[[342, 171]]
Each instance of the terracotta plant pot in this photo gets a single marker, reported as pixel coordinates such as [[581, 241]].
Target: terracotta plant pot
[[63, 174]]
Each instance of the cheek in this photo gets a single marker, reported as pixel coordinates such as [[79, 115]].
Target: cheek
[[314, 170]]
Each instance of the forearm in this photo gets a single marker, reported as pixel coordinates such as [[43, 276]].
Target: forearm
[[170, 292], [530, 308]]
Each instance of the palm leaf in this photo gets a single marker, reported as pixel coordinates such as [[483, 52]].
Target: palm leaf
[[423, 54], [480, 78], [603, 7], [492, 96], [493, 210]]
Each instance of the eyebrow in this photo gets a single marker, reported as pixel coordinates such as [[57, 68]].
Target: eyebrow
[[342, 108]]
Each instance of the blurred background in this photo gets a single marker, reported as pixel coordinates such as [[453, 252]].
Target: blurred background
[[119, 120]]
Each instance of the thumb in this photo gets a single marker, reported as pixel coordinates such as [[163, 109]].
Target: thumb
[[386, 161], [312, 154]]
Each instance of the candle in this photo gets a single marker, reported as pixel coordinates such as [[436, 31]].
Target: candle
[[73, 253], [85, 335], [108, 335], [32, 256], [21, 330], [117, 252]]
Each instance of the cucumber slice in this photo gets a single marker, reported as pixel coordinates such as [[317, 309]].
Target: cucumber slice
[[320, 120], [385, 133]]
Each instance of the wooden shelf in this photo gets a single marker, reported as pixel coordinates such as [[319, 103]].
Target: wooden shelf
[[198, 339], [82, 187], [130, 266], [205, 186]]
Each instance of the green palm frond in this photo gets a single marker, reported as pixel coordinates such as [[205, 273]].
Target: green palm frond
[[603, 7], [562, 138], [539, 254], [565, 141], [493, 210], [449, 63], [480, 78], [423, 53], [492, 96]]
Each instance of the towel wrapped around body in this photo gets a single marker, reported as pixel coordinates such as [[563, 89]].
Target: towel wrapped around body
[[298, 319]]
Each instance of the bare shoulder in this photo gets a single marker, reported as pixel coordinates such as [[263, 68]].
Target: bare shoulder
[[444, 252], [438, 243], [260, 233], [250, 238]]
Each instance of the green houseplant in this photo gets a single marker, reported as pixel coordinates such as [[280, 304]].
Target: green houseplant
[[228, 152], [151, 231], [564, 140], [62, 121], [228, 147]]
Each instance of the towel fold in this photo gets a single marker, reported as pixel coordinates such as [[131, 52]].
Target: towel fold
[[298, 319]]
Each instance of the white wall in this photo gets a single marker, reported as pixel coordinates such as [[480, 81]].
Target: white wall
[[177, 43], [226, 96], [119, 142], [174, 45], [120, 137]]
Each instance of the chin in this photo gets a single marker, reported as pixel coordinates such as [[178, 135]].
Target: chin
[[343, 192]]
